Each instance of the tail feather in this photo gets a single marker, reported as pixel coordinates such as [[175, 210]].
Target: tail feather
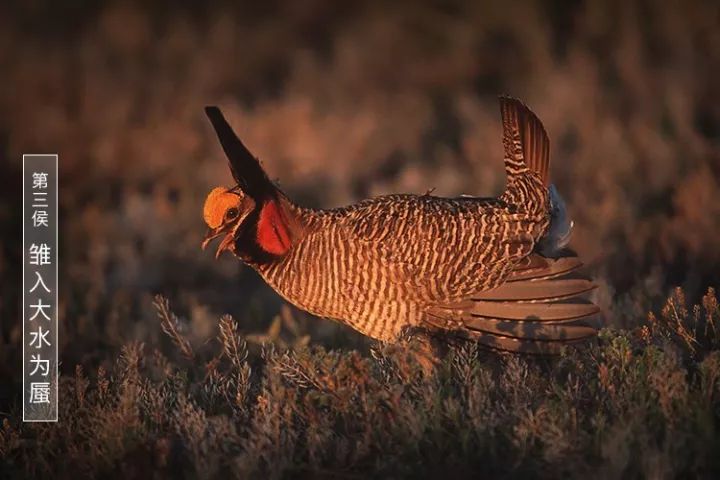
[[531, 347], [541, 306], [537, 267], [538, 310], [538, 290], [526, 143], [520, 311], [538, 331]]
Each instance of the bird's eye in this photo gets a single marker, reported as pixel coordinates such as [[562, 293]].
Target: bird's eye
[[231, 214]]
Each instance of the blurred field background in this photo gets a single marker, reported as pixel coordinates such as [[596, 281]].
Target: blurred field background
[[342, 101]]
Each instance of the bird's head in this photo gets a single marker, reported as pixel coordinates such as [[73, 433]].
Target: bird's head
[[254, 218], [225, 211]]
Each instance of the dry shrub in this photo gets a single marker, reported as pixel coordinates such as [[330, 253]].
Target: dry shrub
[[637, 403]]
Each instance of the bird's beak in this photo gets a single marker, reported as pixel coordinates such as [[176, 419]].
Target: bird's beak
[[214, 233]]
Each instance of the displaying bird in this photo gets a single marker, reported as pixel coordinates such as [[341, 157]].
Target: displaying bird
[[490, 270]]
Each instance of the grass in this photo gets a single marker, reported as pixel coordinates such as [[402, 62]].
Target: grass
[[342, 102], [642, 403]]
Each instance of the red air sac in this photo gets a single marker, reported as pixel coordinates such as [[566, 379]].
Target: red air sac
[[272, 230]]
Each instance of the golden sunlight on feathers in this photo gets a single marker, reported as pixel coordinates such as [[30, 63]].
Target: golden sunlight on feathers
[[443, 268]]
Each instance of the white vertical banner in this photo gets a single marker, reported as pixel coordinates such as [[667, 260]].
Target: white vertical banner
[[40, 288]]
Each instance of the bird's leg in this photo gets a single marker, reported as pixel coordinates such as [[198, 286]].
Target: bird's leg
[[414, 351], [424, 347]]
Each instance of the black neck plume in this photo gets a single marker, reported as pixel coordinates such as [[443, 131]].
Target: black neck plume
[[245, 168]]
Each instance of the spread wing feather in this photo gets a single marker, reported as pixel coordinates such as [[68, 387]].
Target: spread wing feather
[[532, 347], [537, 267], [533, 313], [537, 290]]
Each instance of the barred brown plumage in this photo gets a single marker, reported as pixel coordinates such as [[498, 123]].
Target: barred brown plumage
[[451, 267]]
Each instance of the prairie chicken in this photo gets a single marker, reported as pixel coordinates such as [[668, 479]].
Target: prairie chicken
[[492, 270]]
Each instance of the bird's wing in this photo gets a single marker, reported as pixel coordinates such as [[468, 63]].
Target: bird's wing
[[538, 309], [445, 249]]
